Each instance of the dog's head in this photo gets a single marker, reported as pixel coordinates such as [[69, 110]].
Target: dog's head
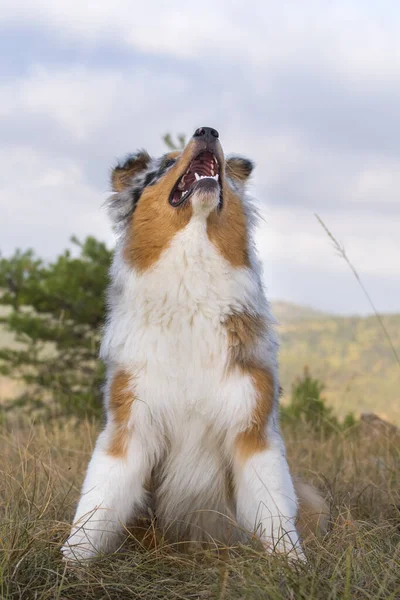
[[155, 198]]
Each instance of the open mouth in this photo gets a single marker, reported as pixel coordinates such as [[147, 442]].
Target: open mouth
[[204, 167]]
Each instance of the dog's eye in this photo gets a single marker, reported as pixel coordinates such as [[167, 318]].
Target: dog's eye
[[168, 162]]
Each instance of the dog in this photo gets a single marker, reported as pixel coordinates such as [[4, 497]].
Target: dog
[[192, 388]]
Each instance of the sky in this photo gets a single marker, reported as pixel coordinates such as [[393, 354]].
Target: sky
[[308, 90]]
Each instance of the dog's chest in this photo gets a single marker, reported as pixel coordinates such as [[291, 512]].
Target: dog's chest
[[172, 316], [167, 328], [181, 349]]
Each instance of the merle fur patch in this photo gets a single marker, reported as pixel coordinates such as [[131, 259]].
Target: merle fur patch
[[121, 206]]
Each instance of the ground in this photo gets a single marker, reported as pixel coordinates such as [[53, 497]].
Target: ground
[[42, 468]]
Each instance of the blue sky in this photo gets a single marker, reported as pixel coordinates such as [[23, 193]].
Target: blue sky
[[308, 90]]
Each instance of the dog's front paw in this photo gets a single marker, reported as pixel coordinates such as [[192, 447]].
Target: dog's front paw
[[287, 544], [78, 549], [292, 553]]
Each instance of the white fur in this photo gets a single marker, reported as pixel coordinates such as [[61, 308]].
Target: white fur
[[266, 499], [165, 327], [112, 491]]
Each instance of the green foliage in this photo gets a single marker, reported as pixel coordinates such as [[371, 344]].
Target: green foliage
[[349, 354], [309, 406], [57, 311], [349, 421], [171, 144]]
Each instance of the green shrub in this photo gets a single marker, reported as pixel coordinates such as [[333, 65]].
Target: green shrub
[[308, 405], [57, 310]]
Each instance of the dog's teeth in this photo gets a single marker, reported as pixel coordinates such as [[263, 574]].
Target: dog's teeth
[[215, 177], [199, 177]]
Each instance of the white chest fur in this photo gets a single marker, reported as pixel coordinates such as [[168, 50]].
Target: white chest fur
[[166, 328], [171, 316]]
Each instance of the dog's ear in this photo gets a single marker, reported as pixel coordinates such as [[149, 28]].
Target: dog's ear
[[239, 168], [129, 168]]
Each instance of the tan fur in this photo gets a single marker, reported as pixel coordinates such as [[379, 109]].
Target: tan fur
[[122, 175], [237, 168], [155, 221], [121, 399], [174, 154], [254, 438], [154, 225], [227, 230], [313, 515], [243, 329]]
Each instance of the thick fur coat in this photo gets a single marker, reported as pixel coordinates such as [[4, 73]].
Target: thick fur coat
[[192, 387]]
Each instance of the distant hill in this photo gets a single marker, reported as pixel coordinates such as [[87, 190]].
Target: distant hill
[[349, 354], [286, 312]]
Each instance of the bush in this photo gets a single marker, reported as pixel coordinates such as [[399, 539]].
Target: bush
[[308, 405], [57, 310]]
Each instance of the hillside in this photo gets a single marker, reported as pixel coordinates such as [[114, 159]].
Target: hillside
[[349, 354], [287, 312]]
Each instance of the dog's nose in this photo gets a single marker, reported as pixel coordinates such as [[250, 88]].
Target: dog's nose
[[206, 133]]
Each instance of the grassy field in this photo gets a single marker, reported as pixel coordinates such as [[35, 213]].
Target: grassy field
[[42, 470]]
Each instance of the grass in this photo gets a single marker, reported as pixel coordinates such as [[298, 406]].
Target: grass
[[42, 469]]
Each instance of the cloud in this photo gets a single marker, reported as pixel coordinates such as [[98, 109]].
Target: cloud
[[46, 199], [310, 94], [297, 238], [354, 37]]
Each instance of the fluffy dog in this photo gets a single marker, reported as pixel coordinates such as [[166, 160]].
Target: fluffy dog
[[192, 387]]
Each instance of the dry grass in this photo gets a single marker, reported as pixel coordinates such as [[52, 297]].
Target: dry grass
[[42, 469]]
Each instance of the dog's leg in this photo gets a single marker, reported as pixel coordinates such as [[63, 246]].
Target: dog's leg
[[112, 490], [265, 498]]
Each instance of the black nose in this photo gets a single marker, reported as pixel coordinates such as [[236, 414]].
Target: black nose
[[207, 133]]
